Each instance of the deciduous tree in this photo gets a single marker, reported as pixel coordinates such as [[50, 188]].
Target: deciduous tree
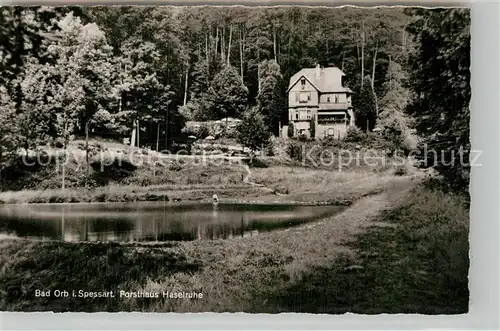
[[252, 131], [440, 77]]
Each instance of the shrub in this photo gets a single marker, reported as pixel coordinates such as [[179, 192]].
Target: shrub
[[256, 163], [59, 142], [400, 171], [355, 135], [175, 166], [294, 151], [291, 130], [269, 150], [303, 137], [203, 131]]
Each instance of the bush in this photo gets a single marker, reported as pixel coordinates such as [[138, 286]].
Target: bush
[[203, 131], [303, 137], [269, 150], [355, 135], [312, 124], [291, 130], [294, 151], [400, 171], [59, 142], [175, 166], [256, 163]]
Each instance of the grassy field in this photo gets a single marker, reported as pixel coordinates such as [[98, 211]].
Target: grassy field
[[402, 250]]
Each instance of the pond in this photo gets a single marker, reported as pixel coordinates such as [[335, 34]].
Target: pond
[[151, 221]]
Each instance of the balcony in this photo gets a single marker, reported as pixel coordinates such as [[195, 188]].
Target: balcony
[[333, 106]]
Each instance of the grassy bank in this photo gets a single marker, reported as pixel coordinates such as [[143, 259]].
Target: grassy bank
[[398, 251], [129, 193], [190, 181]]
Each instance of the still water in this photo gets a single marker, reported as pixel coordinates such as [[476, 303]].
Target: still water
[[151, 221]]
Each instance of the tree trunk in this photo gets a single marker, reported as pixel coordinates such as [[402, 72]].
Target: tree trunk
[[87, 171], [274, 44], [374, 65], [373, 77], [158, 137], [222, 45], [258, 48], [229, 46], [357, 51], [166, 129], [216, 40], [258, 77], [186, 83], [362, 54], [138, 133], [403, 41], [206, 46], [343, 59], [64, 157], [241, 54]]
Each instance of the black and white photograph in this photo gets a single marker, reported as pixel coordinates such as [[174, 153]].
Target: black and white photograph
[[257, 159]]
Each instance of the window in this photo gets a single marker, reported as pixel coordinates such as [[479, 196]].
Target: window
[[302, 114], [296, 116], [304, 97], [303, 82], [327, 99], [309, 114], [336, 99]]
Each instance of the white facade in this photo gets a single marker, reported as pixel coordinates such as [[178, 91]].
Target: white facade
[[316, 97]]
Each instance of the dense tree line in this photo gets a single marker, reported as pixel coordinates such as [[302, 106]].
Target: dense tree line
[[107, 70], [439, 70], [170, 57]]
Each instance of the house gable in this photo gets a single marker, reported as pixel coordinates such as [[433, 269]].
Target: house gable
[[303, 94], [298, 80]]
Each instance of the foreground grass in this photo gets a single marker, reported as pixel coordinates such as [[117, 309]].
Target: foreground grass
[[88, 267], [414, 259]]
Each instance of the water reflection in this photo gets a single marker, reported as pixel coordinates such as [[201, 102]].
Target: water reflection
[[151, 221]]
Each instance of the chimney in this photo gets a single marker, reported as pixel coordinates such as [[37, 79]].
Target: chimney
[[318, 71]]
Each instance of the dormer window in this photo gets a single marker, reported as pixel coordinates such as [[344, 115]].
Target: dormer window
[[303, 83]]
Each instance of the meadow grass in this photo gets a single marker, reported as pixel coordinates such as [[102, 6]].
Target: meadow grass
[[413, 259]]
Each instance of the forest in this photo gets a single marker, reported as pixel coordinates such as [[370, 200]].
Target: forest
[[77, 82], [80, 71]]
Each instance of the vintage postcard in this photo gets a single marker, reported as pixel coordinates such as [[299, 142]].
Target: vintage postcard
[[235, 159]]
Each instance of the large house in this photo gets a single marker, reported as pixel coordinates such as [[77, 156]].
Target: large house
[[317, 97]]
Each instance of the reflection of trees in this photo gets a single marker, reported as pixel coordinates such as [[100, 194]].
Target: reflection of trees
[[205, 222], [25, 228]]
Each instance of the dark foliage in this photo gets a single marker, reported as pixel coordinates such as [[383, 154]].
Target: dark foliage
[[440, 76]]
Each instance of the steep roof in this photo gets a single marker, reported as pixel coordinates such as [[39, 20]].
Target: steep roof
[[329, 80]]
